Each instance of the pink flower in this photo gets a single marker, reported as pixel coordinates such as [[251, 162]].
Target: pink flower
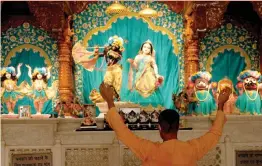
[[159, 81]]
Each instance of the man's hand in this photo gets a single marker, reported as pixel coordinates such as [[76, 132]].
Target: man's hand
[[223, 97], [107, 92]]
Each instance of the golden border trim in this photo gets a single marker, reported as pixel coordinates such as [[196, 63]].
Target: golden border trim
[[221, 50], [27, 46], [129, 15]]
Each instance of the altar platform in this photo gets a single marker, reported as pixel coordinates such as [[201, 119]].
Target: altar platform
[[69, 147]]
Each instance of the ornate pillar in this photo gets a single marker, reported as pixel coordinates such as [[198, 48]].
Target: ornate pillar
[[191, 58], [191, 49], [65, 64], [260, 51]]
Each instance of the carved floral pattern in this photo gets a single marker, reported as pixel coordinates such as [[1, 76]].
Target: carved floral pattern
[[87, 156], [229, 34]]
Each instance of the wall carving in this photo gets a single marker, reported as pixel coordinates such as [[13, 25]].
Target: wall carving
[[228, 34], [86, 156]]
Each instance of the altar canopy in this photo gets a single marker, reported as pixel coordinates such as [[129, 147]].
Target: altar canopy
[[135, 31]]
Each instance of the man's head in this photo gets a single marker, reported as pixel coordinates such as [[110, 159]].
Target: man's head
[[168, 124]]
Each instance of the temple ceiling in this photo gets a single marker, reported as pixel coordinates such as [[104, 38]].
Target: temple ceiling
[[51, 15]]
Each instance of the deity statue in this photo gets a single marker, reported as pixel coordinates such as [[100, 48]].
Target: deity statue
[[229, 106], [39, 90], [205, 104], [112, 55], [249, 102], [144, 86], [10, 92], [181, 102]]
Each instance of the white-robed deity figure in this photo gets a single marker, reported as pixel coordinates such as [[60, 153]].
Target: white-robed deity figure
[[10, 92], [39, 91], [144, 79], [112, 54], [249, 102], [204, 103]]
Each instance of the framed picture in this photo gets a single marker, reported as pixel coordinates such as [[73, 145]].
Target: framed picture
[[24, 111], [130, 115], [89, 114]]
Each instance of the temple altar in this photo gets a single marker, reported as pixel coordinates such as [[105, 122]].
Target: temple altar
[[155, 55], [101, 148]]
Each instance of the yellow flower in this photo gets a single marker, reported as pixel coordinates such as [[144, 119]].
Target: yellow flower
[[13, 38], [173, 25], [216, 39], [77, 31], [229, 40], [84, 25], [254, 46], [54, 46], [241, 38], [129, 8], [143, 6], [40, 38], [75, 38], [160, 14], [26, 40], [203, 47], [229, 26], [26, 25], [99, 14]]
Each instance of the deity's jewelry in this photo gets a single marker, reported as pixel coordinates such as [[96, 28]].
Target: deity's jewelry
[[249, 96], [198, 97]]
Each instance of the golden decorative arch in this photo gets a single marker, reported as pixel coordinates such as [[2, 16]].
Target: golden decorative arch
[[221, 50], [27, 46], [151, 25]]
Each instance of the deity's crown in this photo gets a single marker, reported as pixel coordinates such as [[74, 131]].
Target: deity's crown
[[148, 41], [10, 70], [41, 70], [248, 73]]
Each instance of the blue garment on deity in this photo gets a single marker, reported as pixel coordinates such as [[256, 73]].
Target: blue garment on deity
[[154, 99], [144, 92], [205, 104], [249, 102], [37, 94], [10, 95]]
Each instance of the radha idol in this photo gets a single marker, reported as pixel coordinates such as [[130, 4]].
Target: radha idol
[[144, 83]]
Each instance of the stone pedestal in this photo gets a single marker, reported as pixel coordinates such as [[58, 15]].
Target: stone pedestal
[[68, 147]]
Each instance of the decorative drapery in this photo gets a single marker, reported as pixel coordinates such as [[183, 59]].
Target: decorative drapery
[[228, 63]]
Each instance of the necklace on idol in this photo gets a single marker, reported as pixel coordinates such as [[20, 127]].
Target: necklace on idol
[[249, 96], [198, 97]]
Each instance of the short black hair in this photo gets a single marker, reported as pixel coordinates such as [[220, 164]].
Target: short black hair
[[169, 121]]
